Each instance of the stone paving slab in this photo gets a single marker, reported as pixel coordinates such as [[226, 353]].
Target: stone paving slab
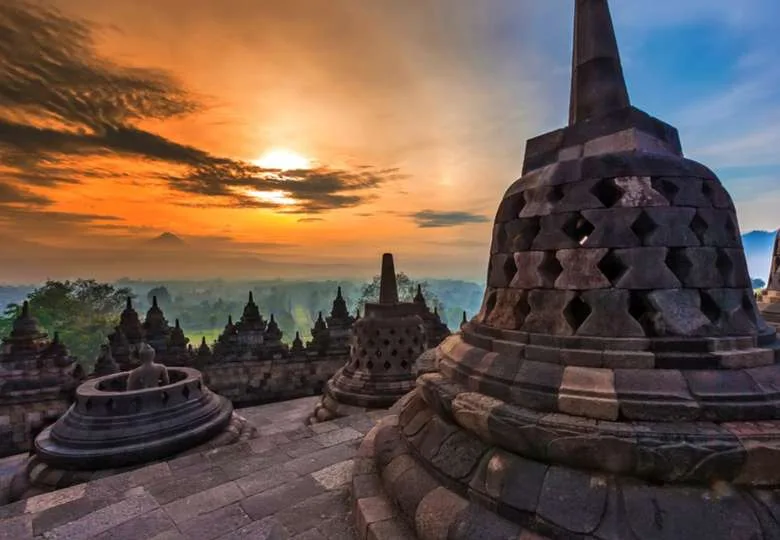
[[290, 483]]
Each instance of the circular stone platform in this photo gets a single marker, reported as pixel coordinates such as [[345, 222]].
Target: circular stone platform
[[107, 428]]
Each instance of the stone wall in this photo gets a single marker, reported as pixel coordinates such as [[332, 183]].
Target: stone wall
[[17, 419], [265, 381]]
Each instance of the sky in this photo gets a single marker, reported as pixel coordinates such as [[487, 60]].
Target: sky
[[399, 123]]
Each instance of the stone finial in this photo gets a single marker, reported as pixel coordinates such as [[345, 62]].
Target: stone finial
[[251, 298], [177, 324], [129, 303], [230, 320], [25, 309], [597, 83], [154, 301], [357, 314], [388, 287], [463, 321], [419, 298]]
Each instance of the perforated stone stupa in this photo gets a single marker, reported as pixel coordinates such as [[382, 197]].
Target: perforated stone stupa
[[770, 299], [385, 343], [618, 382]]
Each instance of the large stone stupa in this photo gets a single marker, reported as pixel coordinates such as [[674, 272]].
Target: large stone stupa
[[384, 345], [619, 382]]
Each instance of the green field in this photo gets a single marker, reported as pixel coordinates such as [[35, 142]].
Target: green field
[[196, 335]]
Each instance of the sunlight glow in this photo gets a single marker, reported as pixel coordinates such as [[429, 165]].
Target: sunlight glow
[[273, 197], [282, 159]]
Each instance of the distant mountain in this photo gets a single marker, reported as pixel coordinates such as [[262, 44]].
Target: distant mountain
[[167, 240], [758, 251]]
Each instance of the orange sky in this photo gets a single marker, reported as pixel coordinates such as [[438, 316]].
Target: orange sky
[[149, 117], [395, 98]]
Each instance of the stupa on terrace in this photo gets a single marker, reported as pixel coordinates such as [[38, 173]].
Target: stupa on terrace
[[770, 299], [618, 382], [385, 343]]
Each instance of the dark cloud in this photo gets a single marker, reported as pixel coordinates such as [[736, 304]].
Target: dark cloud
[[10, 194], [59, 98], [309, 219], [428, 219]]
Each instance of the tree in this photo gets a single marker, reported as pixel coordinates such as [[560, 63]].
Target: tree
[[162, 294], [407, 289], [759, 283], [84, 312]]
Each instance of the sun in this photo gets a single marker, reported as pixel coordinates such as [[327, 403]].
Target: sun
[[277, 198], [282, 159]]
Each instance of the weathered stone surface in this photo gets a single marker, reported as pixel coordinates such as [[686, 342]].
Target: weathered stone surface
[[580, 269], [572, 500]]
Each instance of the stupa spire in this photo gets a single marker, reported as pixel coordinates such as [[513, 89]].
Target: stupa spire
[[597, 83], [388, 287]]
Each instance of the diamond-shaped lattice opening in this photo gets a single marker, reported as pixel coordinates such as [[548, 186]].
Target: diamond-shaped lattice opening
[[679, 264], [550, 268], [644, 226], [379, 353], [576, 312], [510, 269], [415, 341], [410, 351], [394, 352], [707, 191], [578, 229], [136, 404], [612, 267], [731, 228], [185, 392], [377, 333], [199, 385], [357, 364], [404, 364], [165, 397], [639, 308], [665, 187], [387, 365], [392, 331], [386, 342], [401, 341], [490, 303], [363, 353], [607, 192], [724, 264], [699, 227], [709, 307], [370, 343], [370, 364], [88, 404], [110, 404], [555, 194]]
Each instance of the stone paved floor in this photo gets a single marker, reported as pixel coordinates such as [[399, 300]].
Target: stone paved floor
[[289, 483]]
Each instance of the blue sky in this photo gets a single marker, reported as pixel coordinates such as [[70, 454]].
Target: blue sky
[[711, 69]]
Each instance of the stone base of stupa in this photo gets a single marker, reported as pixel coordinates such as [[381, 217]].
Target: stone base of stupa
[[350, 393], [771, 313], [455, 463], [36, 477]]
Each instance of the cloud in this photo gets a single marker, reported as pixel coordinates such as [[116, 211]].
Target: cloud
[[309, 219], [60, 99], [10, 194], [428, 219]]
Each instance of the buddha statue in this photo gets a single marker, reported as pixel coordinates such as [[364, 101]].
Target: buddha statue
[[149, 374]]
